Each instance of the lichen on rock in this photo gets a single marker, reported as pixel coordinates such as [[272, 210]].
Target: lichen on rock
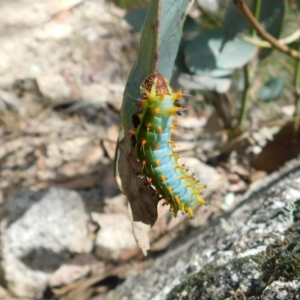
[[257, 259]]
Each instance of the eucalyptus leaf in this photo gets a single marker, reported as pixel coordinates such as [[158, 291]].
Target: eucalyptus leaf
[[202, 82], [206, 56], [271, 18], [158, 48], [272, 89], [234, 22], [159, 43], [190, 28]]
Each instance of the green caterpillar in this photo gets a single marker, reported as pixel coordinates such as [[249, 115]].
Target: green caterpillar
[[154, 147]]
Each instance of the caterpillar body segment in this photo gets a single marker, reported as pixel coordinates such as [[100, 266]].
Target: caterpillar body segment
[[154, 146]]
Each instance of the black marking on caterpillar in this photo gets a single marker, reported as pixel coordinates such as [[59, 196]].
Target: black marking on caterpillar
[[135, 120], [155, 126]]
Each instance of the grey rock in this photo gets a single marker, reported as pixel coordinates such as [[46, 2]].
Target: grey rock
[[253, 253], [280, 290], [114, 237], [53, 86], [40, 231]]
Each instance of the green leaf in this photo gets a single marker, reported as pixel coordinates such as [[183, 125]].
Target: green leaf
[[190, 28], [202, 82], [158, 47], [234, 22], [271, 18], [207, 55], [129, 3], [272, 89]]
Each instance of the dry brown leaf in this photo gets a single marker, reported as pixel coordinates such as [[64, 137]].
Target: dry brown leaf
[[142, 211], [114, 237], [284, 147]]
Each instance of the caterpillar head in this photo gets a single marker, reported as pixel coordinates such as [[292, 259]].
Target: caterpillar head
[[159, 97], [155, 84]]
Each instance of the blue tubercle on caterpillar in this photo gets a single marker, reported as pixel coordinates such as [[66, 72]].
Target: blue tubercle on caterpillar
[[155, 126]]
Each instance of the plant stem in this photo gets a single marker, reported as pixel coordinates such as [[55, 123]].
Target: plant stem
[[247, 79], [242, 5], [264, 44], [258, 4], [297, 92], [245, 99], [297, 76]]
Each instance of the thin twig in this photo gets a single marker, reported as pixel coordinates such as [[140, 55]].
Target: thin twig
[[246, 71], [222, 109], [242, 5], [297, 92], [245, 100], [264, 44]]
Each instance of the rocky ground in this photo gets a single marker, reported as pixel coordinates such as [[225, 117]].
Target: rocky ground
[[63, 68], [252, 252]]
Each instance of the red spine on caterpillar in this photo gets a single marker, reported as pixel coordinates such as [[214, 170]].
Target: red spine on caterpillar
[[154, 146]]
